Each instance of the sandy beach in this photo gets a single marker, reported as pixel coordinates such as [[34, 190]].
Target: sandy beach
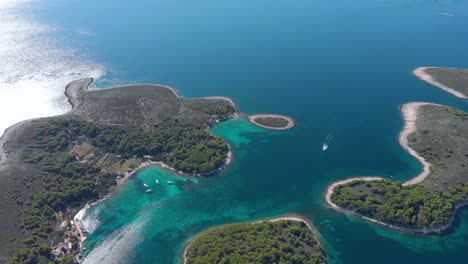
[[409, 114], [293, 217], [122, 181], [423, 76], [291, 122]]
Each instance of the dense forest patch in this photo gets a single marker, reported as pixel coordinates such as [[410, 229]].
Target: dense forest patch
[[272, 121], [406, 206], [282, 241]]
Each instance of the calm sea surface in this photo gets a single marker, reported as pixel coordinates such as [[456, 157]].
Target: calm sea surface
[[336, 66]]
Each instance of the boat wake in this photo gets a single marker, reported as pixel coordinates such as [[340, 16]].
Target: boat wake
[[89, 219], [444, 14], [118, 247], [35, 66], [328, 140]]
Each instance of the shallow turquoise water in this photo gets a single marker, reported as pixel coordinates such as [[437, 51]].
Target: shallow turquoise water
[[341, 66]]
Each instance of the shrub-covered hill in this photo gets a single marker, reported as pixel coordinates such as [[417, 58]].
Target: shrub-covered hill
[[282, 241]]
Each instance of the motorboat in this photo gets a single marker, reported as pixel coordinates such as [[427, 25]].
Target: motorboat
[[325, 147]]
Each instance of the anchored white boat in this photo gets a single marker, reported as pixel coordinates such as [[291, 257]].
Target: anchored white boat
[[146, 185], [170, 182], [157, 181], [149, 190]]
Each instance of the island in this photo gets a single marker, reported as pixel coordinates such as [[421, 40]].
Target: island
[[52, 167], [279, 240], [272, 121], [427, 204], [451, 80]]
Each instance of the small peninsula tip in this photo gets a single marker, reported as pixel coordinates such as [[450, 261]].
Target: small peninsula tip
[[280, 240], [272, 121], [451, 80]]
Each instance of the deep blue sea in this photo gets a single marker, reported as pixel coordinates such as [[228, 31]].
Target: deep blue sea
[[336, 66]]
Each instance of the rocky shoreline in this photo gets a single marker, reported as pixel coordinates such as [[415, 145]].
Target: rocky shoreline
[[409, 113], [290, 122], [421, 74], [290, 217]]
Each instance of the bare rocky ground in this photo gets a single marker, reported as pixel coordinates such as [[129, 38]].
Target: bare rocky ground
[[456, 79], [441, 138]]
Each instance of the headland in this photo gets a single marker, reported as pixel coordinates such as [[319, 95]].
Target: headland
[[290, 238], [436, 136], [451, 80]]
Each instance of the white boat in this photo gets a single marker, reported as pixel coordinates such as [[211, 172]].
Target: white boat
[[325, 147], [157, 181], [149, 190], [146, 185], [170, 182]]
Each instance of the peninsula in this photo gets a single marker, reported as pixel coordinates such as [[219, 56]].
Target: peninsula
[[272, 122], [52, 167], [436, 136], [288, 239], [451, 80]]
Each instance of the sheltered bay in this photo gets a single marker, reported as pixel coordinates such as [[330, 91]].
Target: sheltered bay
[[428, 203]]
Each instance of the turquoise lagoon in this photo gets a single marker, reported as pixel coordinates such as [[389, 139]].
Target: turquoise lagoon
[[337, 66]]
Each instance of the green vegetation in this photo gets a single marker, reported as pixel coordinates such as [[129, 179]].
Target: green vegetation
[[69, 183], [459, 192], [192, 150], [457, 113], [30, 255], [440, 138], [412, 206], [272, 121], [56, 165], [266, 242]]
